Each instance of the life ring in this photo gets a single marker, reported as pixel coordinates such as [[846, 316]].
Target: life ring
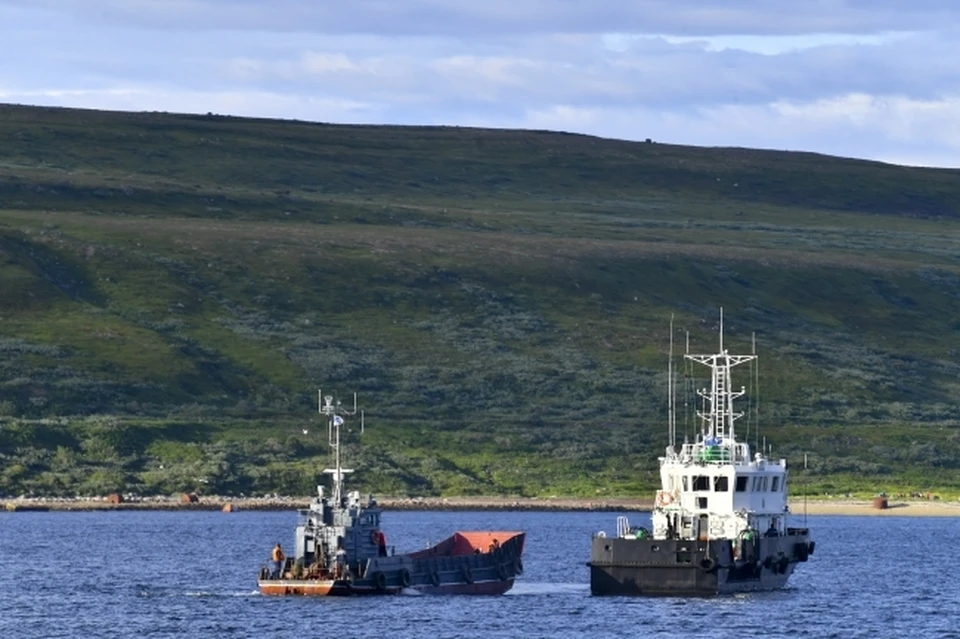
[[467, 574], [518, 566], [664, 498], [375, 537], [708, 564], [381, 581], [501, 572], [435, 577], [404, 577]]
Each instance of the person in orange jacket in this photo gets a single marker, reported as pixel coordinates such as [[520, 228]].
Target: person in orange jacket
[[276, 561]]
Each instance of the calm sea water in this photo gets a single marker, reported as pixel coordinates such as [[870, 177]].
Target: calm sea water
[[192, 574]]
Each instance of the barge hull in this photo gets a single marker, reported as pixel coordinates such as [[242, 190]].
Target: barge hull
[[455, 566], [308, 588]]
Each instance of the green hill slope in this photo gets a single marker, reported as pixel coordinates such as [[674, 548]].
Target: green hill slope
[[173, 290]]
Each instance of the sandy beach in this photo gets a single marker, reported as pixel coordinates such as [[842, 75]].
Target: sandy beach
[[896, 508]]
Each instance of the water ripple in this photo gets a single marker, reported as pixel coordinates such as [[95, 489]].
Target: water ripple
[[192, 574]]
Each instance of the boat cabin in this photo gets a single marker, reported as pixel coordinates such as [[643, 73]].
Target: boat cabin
[[713, 488], [350, 529]]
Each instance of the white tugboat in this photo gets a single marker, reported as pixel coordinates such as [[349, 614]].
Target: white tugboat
[[720, 517], [340, 549]]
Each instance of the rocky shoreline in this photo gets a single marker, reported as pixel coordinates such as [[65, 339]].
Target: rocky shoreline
[[907, 508], [292, 503]]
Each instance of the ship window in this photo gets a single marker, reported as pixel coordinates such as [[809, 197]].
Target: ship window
[[721, 484], [686, 487], [742, 484], [766, 481], [701, 482], [776, 485], [702, 502]]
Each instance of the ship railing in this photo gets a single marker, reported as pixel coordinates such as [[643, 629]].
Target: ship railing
[[721, 453]]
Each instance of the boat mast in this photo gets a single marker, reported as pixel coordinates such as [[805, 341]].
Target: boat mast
[[720, 417], [333, 410]]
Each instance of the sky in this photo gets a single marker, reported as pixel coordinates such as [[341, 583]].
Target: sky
[[874, 79]]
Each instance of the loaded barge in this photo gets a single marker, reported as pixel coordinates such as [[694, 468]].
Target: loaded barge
[[340, 548]]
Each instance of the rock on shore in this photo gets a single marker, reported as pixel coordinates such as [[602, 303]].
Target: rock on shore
[[292, 503]]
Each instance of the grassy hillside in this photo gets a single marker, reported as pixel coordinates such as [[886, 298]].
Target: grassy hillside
[[173, 290]]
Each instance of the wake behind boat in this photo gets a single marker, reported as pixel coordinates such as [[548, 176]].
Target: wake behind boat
[[340, 548], [720, 518]]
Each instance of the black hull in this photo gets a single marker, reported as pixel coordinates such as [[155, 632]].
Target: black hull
[[668, 567]]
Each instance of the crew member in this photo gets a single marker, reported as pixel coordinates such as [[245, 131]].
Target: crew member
[[276, 561], [381, 544]]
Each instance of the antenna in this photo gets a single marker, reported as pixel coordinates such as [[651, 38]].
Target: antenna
[[753, 414], [756, 386], [672, 418], [333, 409], [721, 329], [805, 489], [687, 388]]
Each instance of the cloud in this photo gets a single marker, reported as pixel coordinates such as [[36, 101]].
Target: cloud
[[883, 85], [579, 70], [467, 18], [899, 130]]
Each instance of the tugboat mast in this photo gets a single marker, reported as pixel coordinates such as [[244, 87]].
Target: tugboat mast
[[719, 420], [333, 409]]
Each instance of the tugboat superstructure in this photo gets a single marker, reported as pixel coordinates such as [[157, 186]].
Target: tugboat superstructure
[[720, 518], [340, 549]]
